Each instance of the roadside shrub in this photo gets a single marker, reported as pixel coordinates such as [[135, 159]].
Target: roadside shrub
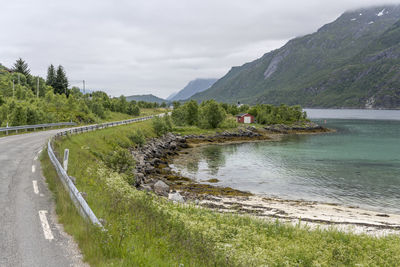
[[19, 116], [121, 161], [162, 126], [137, 137], [97, 108], [168, 123]]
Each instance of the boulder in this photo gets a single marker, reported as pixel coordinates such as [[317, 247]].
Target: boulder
[[155, 161], [172, 145], [149, 169], [139, 178], [176, 197], [161, 188], [145, 187]]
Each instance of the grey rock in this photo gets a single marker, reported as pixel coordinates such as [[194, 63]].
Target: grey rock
[[146, 187], [149, 169], [176, 197], [139, 178], [161, 188]]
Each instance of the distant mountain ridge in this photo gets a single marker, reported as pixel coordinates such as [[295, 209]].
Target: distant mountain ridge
[[146, 98], [172, 95], [193, 87], [351, 62]]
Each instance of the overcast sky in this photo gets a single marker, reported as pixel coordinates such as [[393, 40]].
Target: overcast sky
[[154, 46]]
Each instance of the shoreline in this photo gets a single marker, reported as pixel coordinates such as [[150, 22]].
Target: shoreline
[[316, 215]]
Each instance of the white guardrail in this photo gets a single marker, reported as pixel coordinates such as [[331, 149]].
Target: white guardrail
[[74, 193], [36, 126]]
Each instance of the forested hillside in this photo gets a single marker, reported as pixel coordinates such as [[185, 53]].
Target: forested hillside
[[28, 99], [146, 98], [351, 62]]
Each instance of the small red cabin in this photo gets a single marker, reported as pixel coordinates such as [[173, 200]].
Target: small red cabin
[[245, 118]]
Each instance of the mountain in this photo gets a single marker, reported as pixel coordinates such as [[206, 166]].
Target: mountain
[[172, 95], [146, 98], [193, 87], [351, 62]]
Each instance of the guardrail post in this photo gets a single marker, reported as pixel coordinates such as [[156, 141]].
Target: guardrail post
[[65, 162]]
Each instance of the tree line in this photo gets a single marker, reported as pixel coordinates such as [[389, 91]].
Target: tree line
[[211, 114], [28, 99]]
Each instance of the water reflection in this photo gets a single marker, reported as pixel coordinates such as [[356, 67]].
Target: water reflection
[[213, 157]]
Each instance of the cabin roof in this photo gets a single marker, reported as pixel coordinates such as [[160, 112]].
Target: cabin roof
[[242, 114]]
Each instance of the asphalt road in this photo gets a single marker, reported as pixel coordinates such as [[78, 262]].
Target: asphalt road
[[29, 233]]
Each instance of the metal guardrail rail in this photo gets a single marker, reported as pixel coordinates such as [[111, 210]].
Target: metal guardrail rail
[[101, 126], [36, 126], [76, 197], [74, 193]]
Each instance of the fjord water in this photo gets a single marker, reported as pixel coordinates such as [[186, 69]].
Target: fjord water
[[358, 165]]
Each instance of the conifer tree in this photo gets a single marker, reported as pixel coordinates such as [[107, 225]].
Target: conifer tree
[[61, 81], [51, 76], [22, 67]]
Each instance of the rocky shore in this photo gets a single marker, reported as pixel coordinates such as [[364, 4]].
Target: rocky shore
[[153, 173]]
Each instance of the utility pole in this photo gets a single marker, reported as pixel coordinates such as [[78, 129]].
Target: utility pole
[[18, 78], [13, 88], [83, 86], [37, 91]]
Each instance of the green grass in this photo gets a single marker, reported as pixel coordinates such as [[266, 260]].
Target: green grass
[[117, 116], [145, 230]]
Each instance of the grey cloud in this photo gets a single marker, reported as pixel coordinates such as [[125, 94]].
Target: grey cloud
[[155, 46]]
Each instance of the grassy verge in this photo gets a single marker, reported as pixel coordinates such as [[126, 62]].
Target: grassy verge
[[145, 230], [117, 116]]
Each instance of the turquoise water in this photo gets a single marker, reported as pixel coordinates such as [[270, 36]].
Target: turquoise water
[[359, 165]]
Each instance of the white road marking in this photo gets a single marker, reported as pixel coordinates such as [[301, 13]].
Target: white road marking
[[35, 158], [45, 225], [41, 195], [40, 151], [35, 187], [33, 168]]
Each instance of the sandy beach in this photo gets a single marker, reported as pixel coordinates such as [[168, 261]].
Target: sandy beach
[[313, 214]]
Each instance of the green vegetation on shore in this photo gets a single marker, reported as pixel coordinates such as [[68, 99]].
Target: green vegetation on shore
[[27, 100], [147, 230]]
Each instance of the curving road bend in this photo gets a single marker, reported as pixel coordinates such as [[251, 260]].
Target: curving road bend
[[29, 233]]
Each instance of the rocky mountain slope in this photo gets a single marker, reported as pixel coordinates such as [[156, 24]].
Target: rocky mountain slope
[[351, 62], [193, 87]]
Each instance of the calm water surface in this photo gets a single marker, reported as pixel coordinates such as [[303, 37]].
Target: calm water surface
[[358, 165]]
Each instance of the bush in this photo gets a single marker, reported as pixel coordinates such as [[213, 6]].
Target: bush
[[121, 161], [192, 112], [269, 114], [211, 114], [162, 126], [229, 123], [178, 116], [138, 138]]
